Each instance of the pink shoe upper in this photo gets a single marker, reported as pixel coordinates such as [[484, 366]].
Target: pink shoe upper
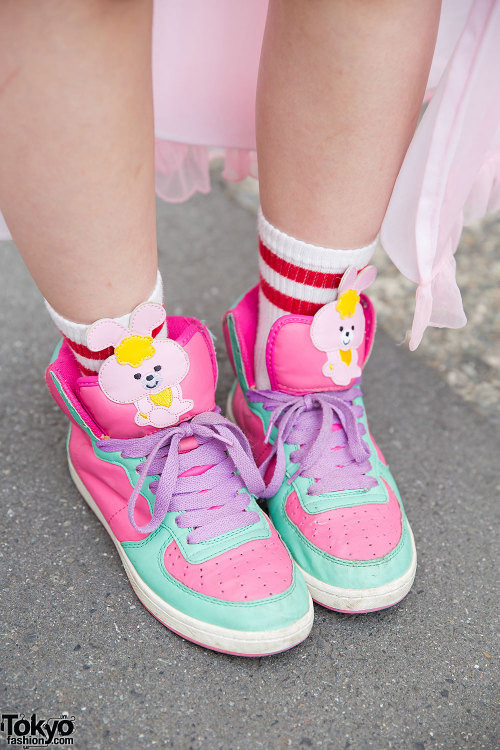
[[207, 494], [105, 417], [299, 348], [304, 365]]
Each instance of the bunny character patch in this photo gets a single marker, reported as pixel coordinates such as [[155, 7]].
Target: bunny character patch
[[142, 371], [338, 328]]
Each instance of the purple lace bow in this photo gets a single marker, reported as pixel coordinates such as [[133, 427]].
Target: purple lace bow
[[326, 428], [210, 503]]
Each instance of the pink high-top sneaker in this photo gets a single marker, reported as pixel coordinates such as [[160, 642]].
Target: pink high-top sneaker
[[172, 482], [329, 491]]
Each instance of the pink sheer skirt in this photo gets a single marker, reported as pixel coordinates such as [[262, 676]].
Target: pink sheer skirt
[[205, 63]]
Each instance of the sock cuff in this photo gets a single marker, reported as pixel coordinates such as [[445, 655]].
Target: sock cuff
[[305, 256], [77, 332], [298, 277]]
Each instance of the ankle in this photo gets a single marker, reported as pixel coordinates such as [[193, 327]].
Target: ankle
[[76, 333], [296, 278]]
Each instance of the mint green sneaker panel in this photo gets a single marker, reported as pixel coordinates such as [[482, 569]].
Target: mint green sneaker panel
[[355, 574], [264, 614]]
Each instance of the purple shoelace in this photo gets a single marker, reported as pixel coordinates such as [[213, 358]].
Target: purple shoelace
[[210, 503], [326, 427]]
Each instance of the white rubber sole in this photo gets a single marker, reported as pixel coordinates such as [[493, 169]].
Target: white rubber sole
[[241, 643], [358, 601], [354, 601]]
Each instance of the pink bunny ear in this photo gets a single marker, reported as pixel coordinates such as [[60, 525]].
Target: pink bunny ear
[[146, 318], [365, 277], [322, 326], [347, 280], [105, 333]]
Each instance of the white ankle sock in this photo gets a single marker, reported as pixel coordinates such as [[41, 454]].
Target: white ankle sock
[[298, 278], [76, 333]]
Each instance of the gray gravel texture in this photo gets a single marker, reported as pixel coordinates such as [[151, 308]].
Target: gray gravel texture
[[74, 637]]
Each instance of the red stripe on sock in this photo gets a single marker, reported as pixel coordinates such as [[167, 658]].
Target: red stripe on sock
[[85, 370], [289, 304], [84, 351], [317, 279], [157, 331]]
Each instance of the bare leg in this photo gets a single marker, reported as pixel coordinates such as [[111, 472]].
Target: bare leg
[[341, 84], [76, 149]]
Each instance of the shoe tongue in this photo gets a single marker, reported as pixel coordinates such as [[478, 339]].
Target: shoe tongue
[[108, 397], [307, 354]]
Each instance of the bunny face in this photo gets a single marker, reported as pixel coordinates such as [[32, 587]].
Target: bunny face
[[125, 382], [140, 366], [349, 331], [152, 381], [331, 331]]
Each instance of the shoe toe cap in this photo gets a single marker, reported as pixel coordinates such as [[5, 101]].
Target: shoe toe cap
[[359, 532], [255, 570]]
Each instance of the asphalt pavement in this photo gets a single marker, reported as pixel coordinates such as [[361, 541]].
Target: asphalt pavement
[[75, 639]]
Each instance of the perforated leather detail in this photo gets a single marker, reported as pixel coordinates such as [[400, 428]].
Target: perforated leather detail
[[362, 532], [254, 570]]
